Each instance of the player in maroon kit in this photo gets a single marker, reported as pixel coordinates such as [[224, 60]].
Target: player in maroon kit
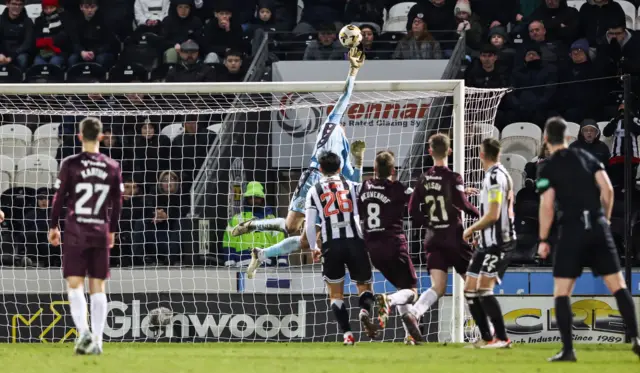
[[381, 203], [438, 198], [90, 184]]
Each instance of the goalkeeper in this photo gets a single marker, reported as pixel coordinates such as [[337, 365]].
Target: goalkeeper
[[331, 137]]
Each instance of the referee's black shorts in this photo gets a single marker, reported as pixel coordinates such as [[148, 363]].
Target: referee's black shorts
[[578, 247], [350, 253]]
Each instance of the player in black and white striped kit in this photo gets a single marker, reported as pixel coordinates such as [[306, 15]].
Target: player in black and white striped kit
[[334, 200]]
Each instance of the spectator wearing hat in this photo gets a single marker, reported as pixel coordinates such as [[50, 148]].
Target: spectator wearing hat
[[234, 70], [589, 140], [263, 22], [534, 103], [50, 35], [499, 38], [582, 96], [366, 11], [16, 35], [149, 15], [36, 226], [419, 44], [91, 36], [190, 68], [180, 25], [222, 34], [561, 21], [317, 13], [470, 25], [485, 71], [439, 16], [236, 251], [596, 16], [326, 47]]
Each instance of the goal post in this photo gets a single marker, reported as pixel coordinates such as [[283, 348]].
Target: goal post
[[265, 132]]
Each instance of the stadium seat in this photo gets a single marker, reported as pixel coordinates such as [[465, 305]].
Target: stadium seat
[[46, 139], [159, 74], [36, 171], [521, 138], [127, 73], [11, 74], [607, 140], [495, 133], [173, 130], [2, 8], [7, 168], [573, 130], [299, 11], [15, 140], [86, 72], [397, 18], [46, 73], [389, 40], [141, 49], [576, 3], [33, 11], [215, 128], [629, 13], [515, 163]]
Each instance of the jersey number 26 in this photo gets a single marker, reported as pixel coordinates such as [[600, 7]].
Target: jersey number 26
[[344, 203]]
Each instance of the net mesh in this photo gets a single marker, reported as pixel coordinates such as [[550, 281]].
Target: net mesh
[[184, 270]]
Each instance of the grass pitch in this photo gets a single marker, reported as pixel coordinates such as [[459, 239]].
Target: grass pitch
[[310, 358]]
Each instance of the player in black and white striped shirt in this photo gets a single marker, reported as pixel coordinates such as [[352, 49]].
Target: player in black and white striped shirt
[[334, 200], [497, 241]]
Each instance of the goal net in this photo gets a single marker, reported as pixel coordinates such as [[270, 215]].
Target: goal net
[[197, 159]]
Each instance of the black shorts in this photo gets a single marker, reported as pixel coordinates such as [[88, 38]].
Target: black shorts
[[578, 247], [491, 262], [349, 252]]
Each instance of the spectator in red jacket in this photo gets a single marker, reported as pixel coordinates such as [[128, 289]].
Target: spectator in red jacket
[[51, 37]]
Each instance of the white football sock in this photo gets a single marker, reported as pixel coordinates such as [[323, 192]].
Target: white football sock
[[403, 296], [98, 315], [402, 309], [78, 305], [277, 224], [426, 300]]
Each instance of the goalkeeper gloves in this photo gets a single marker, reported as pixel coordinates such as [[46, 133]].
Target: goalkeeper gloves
[[357, 152]]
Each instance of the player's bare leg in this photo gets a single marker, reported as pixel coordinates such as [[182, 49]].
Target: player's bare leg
[[287, 246], [78, 304], [617, 286], [99, 309], [366, 308], [477, 311], [492, 309], [340, 312]]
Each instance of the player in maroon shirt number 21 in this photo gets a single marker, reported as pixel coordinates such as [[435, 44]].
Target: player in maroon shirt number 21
[[90, 185]]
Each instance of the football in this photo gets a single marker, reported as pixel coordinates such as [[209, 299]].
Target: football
[[350, 36], [159, 319]]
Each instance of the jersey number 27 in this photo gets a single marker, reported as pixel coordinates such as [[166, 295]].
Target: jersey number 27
[[87, 190], [344, 203]]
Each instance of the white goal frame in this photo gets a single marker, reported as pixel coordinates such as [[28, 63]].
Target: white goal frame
[[453, 88]]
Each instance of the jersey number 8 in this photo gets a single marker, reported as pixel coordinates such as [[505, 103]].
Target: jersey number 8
[[344, 203]]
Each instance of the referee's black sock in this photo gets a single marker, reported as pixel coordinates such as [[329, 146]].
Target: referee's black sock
[[341, 314], [477, 312], [366, 301], [627, 311], [493, 310], [564, 317]]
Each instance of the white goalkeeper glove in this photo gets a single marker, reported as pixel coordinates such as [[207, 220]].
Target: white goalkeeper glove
[[357, 152]]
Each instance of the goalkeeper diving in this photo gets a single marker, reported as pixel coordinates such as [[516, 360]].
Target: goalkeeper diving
[[332, 138]]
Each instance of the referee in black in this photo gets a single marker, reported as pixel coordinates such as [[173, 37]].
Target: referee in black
[[575, 182]]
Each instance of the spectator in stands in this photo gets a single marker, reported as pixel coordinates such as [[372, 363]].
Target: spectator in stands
[[149, 15], [596, 16], [581, 97], [144, 158], [531, 168], [419, 44], [616, 128], [326, 47], [589, 140], [91, 37], [16, 35], [499, 38], [495, 13], [189, 149], [110, 145], [222, 34], [236, 251], [439, 16], [622, 51], [364, 11], [51, 38], [318, 13], [552, 52], [469, 24], [156, 238], [484, 72], [234, 70], [372, 50], [132, 213], [264, 19], [180, 25], [561, 21], [191, 69], [532, 104], [36, 226]]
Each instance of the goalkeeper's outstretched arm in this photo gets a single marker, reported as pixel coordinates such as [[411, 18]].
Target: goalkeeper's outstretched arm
[[356, 59]]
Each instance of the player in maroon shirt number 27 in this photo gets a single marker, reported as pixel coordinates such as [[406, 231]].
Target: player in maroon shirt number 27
[[90, 185]]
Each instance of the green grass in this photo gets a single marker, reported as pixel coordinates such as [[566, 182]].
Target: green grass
[[310, 358]]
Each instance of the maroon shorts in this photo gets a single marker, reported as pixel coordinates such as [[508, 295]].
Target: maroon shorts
[[392, 259], [84, 261], [443, 257]]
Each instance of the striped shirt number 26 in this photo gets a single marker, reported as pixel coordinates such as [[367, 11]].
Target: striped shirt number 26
[[344, 203]]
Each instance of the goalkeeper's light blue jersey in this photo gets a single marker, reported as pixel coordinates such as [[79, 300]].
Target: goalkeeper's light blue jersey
[[332, 138]]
